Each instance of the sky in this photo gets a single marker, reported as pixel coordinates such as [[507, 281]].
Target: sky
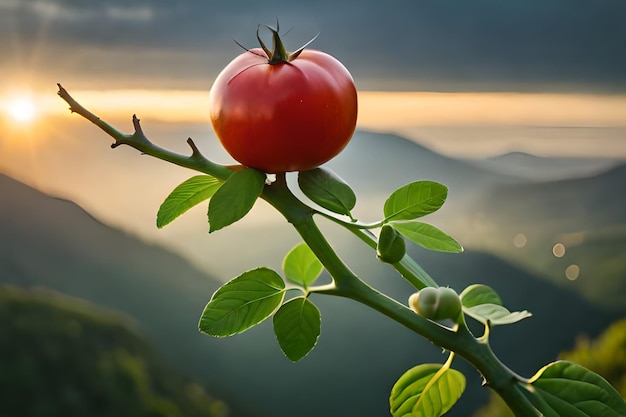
[[399, 45]]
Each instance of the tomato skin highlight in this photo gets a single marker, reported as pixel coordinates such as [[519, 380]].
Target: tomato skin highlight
[[291, 116]]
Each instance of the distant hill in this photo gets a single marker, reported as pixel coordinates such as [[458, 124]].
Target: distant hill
[[375, 163], [54, 243], [537, 168], [587, 216], [61, 356]]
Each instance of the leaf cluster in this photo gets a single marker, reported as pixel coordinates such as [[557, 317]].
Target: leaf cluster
[[256, 295]]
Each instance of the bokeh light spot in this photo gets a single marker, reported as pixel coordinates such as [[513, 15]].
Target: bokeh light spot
[[520, 240], [558, 250], [572, 272]]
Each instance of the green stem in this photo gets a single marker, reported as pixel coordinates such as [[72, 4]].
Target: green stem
[[345, 282], [407, 267], [140, 142]]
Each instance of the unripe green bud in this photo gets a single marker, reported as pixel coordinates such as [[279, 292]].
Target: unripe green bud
[[436, 303], [391, 247]]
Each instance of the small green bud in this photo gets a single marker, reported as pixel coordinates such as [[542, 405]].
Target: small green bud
[[436, 303], [391, 246]]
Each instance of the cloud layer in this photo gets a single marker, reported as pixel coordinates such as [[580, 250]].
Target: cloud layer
[[554, 45]]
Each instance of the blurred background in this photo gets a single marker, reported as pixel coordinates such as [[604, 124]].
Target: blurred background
[[519, 107]]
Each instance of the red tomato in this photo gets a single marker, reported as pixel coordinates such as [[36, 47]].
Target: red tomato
[[287, 116]]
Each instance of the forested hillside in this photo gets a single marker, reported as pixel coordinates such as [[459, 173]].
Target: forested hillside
[[64, 357]]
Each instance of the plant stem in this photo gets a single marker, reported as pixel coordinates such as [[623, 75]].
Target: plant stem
[[345, 282], [139, 141], [407, 267], [348, 285]]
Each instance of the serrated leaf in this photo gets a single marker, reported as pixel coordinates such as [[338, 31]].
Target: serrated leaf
[[328, 190], [415, 200], [188, 194], [235, 198], [495, 314], [427, 236], [478, 294], [301, 266], [427, 390], [567, 389], [297, 326], [243, 302]]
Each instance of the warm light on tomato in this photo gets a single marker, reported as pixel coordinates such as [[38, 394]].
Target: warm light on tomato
[[291, 115]]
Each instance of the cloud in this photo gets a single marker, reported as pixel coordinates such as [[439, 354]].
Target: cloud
[[132, 13], [403, 45], [65, 10]]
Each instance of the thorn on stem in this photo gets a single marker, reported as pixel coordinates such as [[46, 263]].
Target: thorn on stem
[[195, 152], [137, 125]]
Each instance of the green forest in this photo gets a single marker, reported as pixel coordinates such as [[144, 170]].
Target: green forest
[[61, 356]]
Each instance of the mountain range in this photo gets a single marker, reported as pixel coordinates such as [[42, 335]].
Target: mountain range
[[52, 242], [545, 168], [575, 221]]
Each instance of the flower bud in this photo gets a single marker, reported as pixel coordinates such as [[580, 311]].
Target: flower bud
[[436, 303], [391, 246]]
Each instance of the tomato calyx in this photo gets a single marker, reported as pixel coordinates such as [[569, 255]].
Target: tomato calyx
[[278, 54]]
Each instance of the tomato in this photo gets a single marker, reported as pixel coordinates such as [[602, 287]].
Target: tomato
[[278, 112]]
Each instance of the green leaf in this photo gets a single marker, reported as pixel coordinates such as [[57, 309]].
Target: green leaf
[[188, 194], [567, 389], [427, 236], [427, 390], [478, 294], [328, 190], [415, 200], [301, 266], [243, 302], [235, 198], [297, 326], [494, 314]]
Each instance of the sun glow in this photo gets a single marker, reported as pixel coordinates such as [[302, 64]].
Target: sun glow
[[21, 109], [456, 124]]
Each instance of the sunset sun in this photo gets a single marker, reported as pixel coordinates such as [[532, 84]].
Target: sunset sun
[[22, 109]]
